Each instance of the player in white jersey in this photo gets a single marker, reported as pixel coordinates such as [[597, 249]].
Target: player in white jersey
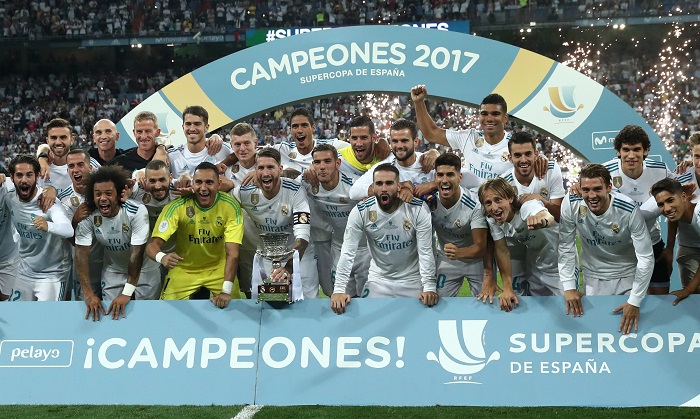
[[44, 252], [538, 261], [73, 199], [616, 250], [330, 205], [461, 230], [632, 175], [676, 205], [279, 205], [122, 229], [185, 158], [399, 237], [9, 256], [508, 217]]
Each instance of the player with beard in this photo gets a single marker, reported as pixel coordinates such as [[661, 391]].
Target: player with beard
[[279, 205], [331, 205], [44, 250], [73, 199], [534, 269], [209, 229], [461, 232], [616, 250], [122, 229], [677, 207], [9, 256], [399, 237]]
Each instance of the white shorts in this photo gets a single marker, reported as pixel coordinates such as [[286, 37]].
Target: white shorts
[[8, 273], [358, 274], [451, 274], [379, 288], [23, 290], [544, 284], [309, 272], [324, 265], [608, 286], [688, 259], [148, 287]]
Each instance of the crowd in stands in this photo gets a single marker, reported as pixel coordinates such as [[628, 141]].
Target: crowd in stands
[[90, 18]]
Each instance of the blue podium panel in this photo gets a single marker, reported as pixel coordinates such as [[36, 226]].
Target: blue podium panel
[[462, 352], [182, 352]]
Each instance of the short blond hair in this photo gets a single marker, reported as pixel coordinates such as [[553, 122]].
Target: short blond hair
[[146, 116]]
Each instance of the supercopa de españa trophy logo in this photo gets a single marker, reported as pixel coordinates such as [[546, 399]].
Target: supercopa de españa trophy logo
[[462, 355]]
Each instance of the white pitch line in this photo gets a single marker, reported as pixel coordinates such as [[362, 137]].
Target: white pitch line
[[248, 411]]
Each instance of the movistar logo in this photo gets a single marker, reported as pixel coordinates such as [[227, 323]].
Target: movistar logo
[[562, 104], [462, 354]]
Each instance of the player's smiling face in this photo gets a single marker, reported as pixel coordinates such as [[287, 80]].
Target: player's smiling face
[[326, 165], [673, 206], [302, 132], [107, 199], [105, 135], [194, 127], [268, 172], [59, 140], [145, 133], [78, 169], [523, 157], [402, 145], [596, 194], [493, 119], [497, 206], [244, 148], [362, 143], [24, 179], [632, 156], [205, 184], [158, 183], [448, 179], [696, 158], [386, 190]]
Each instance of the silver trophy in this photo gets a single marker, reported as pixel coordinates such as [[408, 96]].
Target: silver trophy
[[275, 250]]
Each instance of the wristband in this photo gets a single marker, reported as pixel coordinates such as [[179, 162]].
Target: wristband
[[128, 289], [44, 155], [687, 288], [227, 288], [159, 257]]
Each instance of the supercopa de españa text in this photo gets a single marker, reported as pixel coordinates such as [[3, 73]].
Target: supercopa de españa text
[[394, 72]]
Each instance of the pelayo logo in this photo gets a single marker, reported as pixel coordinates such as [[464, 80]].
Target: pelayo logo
[[462, 355]]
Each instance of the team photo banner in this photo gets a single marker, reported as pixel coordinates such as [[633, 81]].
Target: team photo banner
[[380, 352], [391, 59]]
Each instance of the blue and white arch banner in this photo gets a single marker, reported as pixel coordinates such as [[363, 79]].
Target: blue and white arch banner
[[389, 59], [380, 352]]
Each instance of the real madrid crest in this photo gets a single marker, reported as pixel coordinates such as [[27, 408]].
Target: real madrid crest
[[97, 220], [458, 223], [504, 156], [74, 201], [343, 200], [125, 228], [544, 192], [303, 218], [406, 225], [617, 182], [314, 189], [582, 211], [373, 216], [190, 211], [254, 199], [615, 228], [285, 210], [293, 155], [146, 198], [479, 142]]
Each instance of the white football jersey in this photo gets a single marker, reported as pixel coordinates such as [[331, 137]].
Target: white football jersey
[[44, 255], [412, 173], [8, 251], [332, 207], [613, 244], [293, 159], [183, 160], [486, 161], [401, 244]]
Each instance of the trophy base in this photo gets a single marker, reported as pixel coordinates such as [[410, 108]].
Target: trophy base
[[275, 291]]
